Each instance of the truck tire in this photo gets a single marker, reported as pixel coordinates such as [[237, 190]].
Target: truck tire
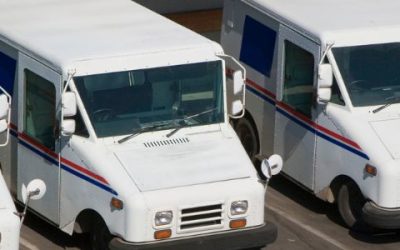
[[350, 203], [100, 236], [248, 137]]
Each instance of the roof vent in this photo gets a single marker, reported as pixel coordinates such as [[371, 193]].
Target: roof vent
[[168, 142]]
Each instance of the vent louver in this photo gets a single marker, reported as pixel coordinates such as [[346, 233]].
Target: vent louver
[[168, 142]]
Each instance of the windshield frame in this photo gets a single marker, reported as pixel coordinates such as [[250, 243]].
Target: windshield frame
[[222, 100]]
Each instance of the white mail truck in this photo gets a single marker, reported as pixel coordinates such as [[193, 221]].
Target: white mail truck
[[123, 114], [323, 90]]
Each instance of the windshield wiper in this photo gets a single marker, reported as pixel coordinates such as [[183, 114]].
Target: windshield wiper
[[142, 130], [391, 100], [187, 118]]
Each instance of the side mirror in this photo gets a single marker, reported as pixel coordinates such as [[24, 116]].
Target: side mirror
[[4, 112], [4, 107], [324, 95], [325, 80], [68, 127], [237, 107], [5, 115], [271, 166], [69, 106], [238, 82], [3, 125], [236, 87], [35, 190]]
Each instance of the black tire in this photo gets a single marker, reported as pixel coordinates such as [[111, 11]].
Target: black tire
[[100, 236], [350, 203], [248, 136], [79, 242]]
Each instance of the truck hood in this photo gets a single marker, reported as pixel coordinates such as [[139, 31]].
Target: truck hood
[[387, 131], [168, 163]]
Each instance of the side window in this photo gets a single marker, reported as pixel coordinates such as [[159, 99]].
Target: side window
[[80, 128], [298, 78], [336, 95], [258, 44], [40, 112], [7, 72]]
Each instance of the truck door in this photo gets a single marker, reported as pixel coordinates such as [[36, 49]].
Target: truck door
[[38, 146], [295, 137]]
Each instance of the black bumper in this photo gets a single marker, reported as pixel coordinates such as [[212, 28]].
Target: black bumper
[[235, 239], [381, 218]]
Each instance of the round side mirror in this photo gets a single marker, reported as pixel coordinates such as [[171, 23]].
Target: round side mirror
[[271, 166], [35, 190]]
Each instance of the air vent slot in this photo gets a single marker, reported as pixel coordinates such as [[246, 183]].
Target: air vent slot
[[168, 142]]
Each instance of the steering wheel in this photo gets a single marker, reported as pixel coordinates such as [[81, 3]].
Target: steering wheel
[[359, 85], [102, 115]]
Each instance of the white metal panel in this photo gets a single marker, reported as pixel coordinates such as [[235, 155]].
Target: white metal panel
[[385, 131], [90, 177], [34, 159]]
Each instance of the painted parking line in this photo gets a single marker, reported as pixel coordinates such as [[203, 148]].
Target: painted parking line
[[307, 228]]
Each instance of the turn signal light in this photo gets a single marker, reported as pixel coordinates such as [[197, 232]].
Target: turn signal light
[[237, 223], [117, 203], [162, 234], [370, 170]]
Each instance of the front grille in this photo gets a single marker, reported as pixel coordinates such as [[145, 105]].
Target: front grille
[[201, 217]]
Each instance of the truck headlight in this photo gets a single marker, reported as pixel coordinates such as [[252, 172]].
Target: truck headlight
[[163, 218], [239, 207]]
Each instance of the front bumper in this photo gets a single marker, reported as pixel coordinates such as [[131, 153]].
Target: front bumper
[[380, 217], [235, 239]]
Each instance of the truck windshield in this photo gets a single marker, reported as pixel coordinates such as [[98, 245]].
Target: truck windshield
[[370, 72], [122, 103]]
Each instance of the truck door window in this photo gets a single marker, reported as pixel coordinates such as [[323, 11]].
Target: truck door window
[[40, 112], [298, 78], [7, 72]]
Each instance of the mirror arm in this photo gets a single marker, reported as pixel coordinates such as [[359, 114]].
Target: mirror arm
[[236, 61], [71, 74], [329, 46], [23, 213], [222, 55]]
